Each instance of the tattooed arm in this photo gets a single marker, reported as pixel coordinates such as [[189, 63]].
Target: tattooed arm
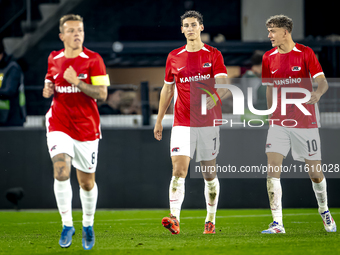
[[96, 92]]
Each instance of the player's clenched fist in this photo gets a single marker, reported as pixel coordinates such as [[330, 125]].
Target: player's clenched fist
[[158, 131], [48, 90], [70, 75], [315, 97]]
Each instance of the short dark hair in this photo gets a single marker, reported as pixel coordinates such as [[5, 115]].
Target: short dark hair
[[280, 21], [192, 14], [68, 17]]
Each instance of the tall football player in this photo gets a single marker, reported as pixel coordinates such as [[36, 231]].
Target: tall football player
[[76, 77], [195, 59], [290, 64]]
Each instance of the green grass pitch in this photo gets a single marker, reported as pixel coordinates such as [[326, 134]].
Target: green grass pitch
[[141, 232]]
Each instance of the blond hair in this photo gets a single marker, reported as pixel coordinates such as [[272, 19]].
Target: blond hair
[[68, 17]]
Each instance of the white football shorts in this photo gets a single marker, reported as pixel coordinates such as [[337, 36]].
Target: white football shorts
[[204, 140], [83, 154], [304, 142]]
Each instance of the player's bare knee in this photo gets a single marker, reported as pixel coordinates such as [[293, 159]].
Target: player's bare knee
[[209, 176], [316, 180], [61, 177], [87, 186], [61, 171], [179, 172]]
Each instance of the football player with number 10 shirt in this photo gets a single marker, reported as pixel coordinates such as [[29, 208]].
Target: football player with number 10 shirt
[[293, 65]]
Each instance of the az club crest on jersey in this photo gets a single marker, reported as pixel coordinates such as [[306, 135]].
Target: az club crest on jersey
[[82, 76], [296, 68], [205, 65]]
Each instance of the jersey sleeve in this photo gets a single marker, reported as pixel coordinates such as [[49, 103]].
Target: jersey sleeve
[[98, 72], [313, 63], [266, 76], [219, 69], [49, 75], [169, 77]]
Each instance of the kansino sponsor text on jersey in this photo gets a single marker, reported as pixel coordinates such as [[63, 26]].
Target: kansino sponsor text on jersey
[[67, 89]]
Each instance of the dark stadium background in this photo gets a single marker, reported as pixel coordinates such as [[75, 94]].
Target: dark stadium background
[[132, 164]]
